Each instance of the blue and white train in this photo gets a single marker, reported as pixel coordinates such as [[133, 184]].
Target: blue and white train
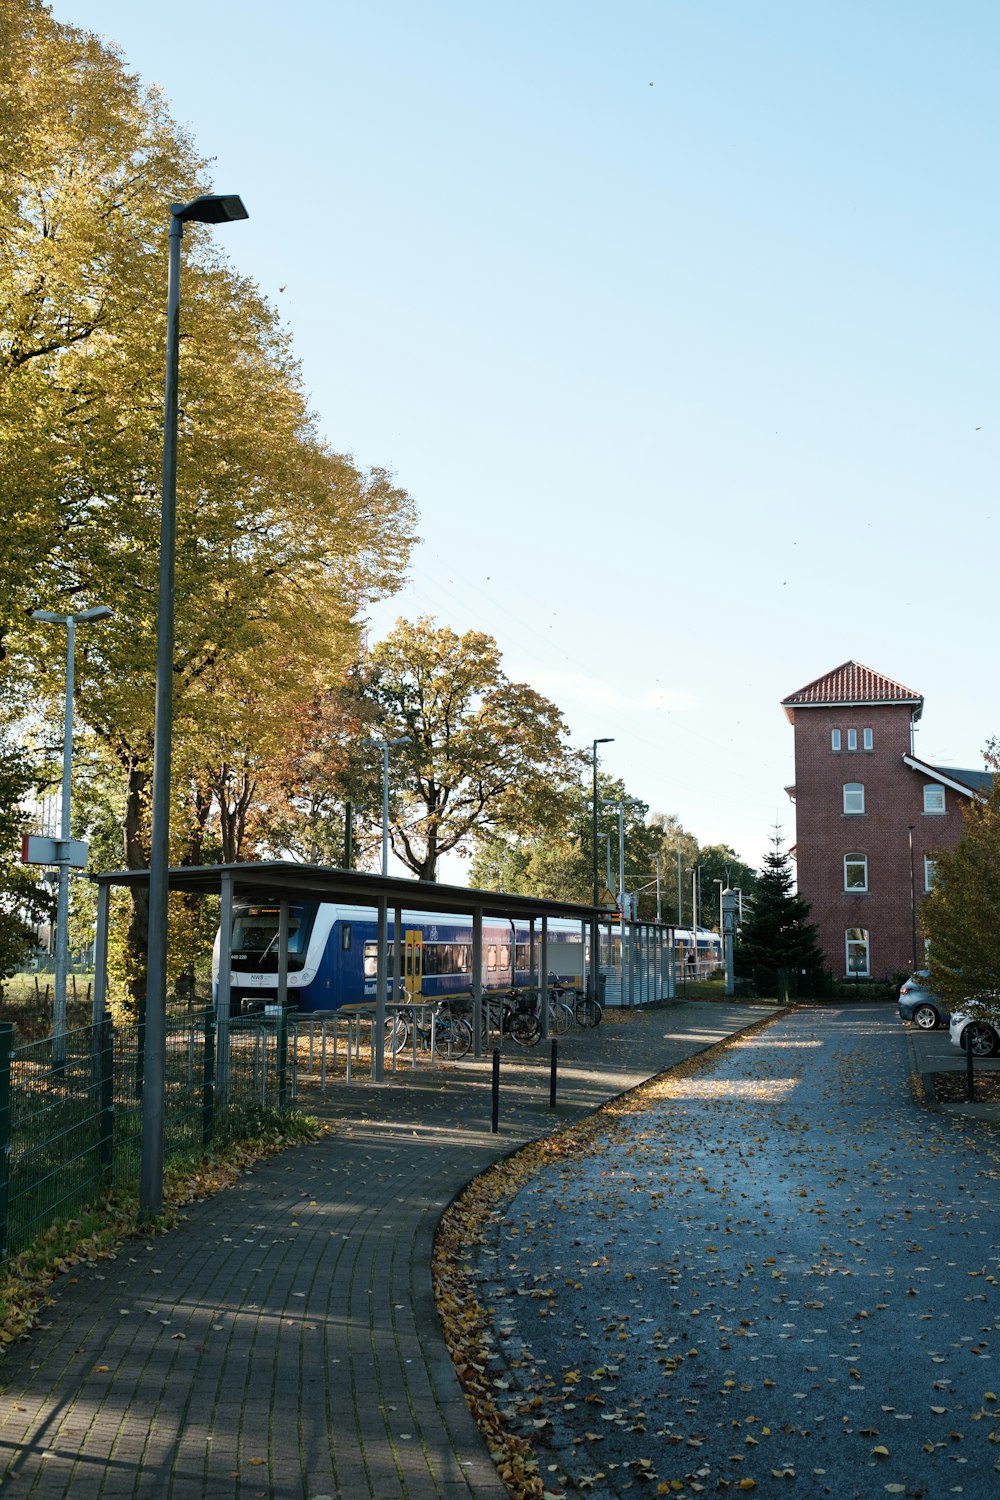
[[333, 954]]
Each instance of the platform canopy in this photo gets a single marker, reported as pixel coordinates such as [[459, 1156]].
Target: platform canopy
[[275, 880]]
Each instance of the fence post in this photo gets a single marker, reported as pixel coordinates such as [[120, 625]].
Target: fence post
[[282, 1035], [106, 1053], [495, 1120], [140, 1056], [208, 1080], [553, 1066], [6, 1047]]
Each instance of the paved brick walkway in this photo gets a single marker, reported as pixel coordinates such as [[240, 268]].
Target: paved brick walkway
[[283, 1341]]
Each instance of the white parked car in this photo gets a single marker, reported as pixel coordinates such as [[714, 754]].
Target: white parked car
[[979, 1037]]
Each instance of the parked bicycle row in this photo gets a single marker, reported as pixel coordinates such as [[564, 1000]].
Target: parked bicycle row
[[446, 1026]]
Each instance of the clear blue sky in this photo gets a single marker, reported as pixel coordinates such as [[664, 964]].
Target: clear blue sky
[[679, 321]]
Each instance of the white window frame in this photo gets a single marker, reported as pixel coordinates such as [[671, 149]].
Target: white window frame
[[856, 859], [868, 739], [852, 739], [930, 871], [934, 792], [851, 791], [834, 739], [857, 937]]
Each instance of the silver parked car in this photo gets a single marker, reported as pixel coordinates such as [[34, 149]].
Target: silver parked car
[[921, 1005], [978, 1037]]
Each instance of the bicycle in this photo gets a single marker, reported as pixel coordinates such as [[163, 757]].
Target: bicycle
[[512, 1015], [570, 1006], [588, 1009], [443, 1031], [561, 1014]]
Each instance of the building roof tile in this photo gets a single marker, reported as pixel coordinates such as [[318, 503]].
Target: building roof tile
[[849, 684]]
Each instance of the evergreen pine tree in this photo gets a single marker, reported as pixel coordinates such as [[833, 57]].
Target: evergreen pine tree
[[777, 945]]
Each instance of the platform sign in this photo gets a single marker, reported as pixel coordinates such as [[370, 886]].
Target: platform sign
[[36, 849]]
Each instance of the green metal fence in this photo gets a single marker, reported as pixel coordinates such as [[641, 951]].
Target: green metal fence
[[71, 1121]]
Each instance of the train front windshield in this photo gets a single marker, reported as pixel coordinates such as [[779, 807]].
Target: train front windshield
[[255, 929]]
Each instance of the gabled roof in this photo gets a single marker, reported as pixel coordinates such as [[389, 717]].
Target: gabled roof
[[969, 783], [851, 685]]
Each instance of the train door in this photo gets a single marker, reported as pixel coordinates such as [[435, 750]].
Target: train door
[[413, 965]]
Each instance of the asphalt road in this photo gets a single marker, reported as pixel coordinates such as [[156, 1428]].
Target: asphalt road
[[779, 1269]]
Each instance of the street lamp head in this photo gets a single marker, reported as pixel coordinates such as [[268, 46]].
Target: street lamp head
[[403, 739], [96, 612], [210, 208], [608, 740]]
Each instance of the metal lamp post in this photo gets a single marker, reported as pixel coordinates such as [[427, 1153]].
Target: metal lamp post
[[211, 208], [595, 936], [98, 612], [621, 806], [386, 746]]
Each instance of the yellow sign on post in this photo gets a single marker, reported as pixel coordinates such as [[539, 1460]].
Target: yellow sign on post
[[607, 899]]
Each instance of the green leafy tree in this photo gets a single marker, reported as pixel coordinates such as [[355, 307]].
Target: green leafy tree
[[557, 861], [776, 939], [484, 754], [719, 863], [23, 901], [959, 914]]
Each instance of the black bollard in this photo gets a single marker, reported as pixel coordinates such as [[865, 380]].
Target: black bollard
[[495, 1126], [553, 1062], [970, 1086]]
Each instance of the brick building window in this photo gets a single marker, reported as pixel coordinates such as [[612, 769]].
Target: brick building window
[[855, 872], [934, 799], [930, 870], [854, 797], [852, 739], [856, 941], [834, 739]]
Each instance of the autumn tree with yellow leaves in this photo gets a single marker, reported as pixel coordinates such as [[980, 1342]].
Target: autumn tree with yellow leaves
[[483, 754], [959, 913], [281, 541]]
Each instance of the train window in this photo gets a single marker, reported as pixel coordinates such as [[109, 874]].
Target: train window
[[345, 936], [371, 959], [255, 929], [491, 956], [505, 956]]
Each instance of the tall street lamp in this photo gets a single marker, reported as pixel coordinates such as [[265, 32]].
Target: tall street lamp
[[211, 208], [621, 806], [99, 612], [386, 746], [595, 936]]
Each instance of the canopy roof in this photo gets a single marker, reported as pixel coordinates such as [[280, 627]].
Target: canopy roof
[[273, 880]]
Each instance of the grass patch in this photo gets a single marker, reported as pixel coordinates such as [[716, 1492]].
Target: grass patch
[[96, 1232]]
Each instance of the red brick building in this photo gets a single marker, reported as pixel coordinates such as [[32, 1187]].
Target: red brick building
[[869, 817]]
